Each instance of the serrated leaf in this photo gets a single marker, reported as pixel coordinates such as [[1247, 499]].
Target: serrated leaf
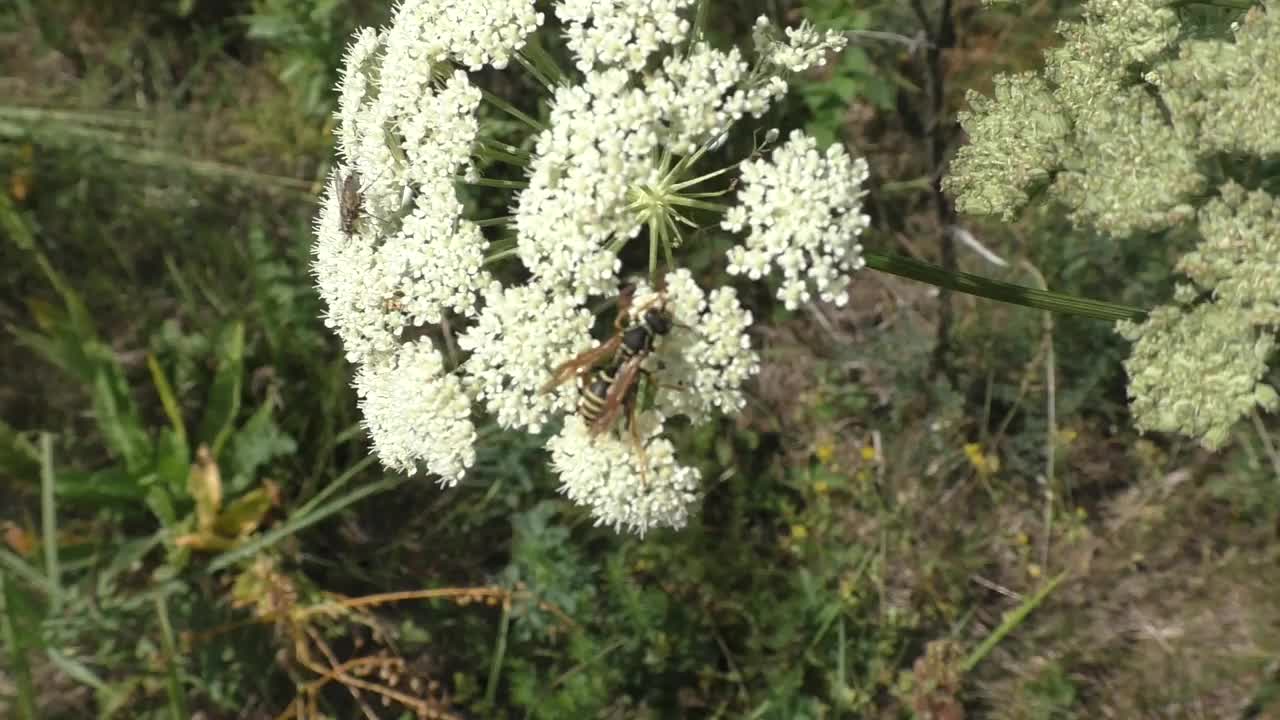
[[172, 462], [224, 396], [117, 419], [256, 443], [168, 400]]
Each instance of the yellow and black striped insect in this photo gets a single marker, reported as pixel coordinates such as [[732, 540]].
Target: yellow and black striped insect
[[615, 365]]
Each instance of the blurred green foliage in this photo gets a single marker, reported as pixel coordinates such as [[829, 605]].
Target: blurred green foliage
[[867, 524]]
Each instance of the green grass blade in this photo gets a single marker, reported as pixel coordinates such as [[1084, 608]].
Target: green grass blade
[[13, 564], [1012, 620], [9, 624], [49, 522], [18, 457], [336, 485], [224, 395], [1001, 291], [300, 521], [168, 399], [177, 705]]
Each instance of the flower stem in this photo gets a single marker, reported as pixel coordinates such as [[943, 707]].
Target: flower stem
[[490, 152], [543, 60], [494, 183], [512, 110], [499, 255], [536, 72], [1234, 4], [1001, 291]]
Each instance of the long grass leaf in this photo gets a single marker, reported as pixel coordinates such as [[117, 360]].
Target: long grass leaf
[[168, 400], [1002, 291], [224, 395], [12, 563], [49, 522], [301, 521], [1012, 619], [9, 624], [177, 705]]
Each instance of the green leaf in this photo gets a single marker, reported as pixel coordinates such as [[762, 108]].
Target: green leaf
[[256, 443], [172, 462], [160, 503], [117, 418], [1002, 291], [299, 521], [172, 409], [243, 515], [18, 457], [224, 396], [112, 486]]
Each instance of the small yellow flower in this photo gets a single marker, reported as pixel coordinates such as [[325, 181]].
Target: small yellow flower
[[799, 532], [1033, 570], [821, 487], [869, 453], [1022, 539], [825, 452], [983, 463]]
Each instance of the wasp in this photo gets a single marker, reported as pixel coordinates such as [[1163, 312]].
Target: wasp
[[616, 364]]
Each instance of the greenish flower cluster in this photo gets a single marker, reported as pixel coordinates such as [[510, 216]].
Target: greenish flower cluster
[[1137, 124]]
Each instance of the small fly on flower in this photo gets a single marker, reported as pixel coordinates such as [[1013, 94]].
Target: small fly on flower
[[351, 201], [350, 198]]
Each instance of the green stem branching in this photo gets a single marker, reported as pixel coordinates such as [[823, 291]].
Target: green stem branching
[[1001, 291]]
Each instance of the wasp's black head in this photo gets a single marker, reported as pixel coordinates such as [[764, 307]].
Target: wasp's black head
[[658, 320]]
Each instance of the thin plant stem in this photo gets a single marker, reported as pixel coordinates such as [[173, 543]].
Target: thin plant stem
[[1051, 411], [512, 110], [495, 183], [491, 222], [1229, 4], [17, 654], [686, 201], [487, 152], [177, 705], [499, 653], [1267, 446], [536, 72], [543, 60], [506, 149], [1001, 291], [49, 522], [499, 255], [1012, 620]]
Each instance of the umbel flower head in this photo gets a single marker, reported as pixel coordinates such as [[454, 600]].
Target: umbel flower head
[[531, 321], [1137, 126]]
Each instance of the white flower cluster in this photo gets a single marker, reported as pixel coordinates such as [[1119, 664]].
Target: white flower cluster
[[624, 488], [802, 213], [417, 414], [474, 33], [707, 357], [804, 47], [394, 255], [519, 338], [621, 33]]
